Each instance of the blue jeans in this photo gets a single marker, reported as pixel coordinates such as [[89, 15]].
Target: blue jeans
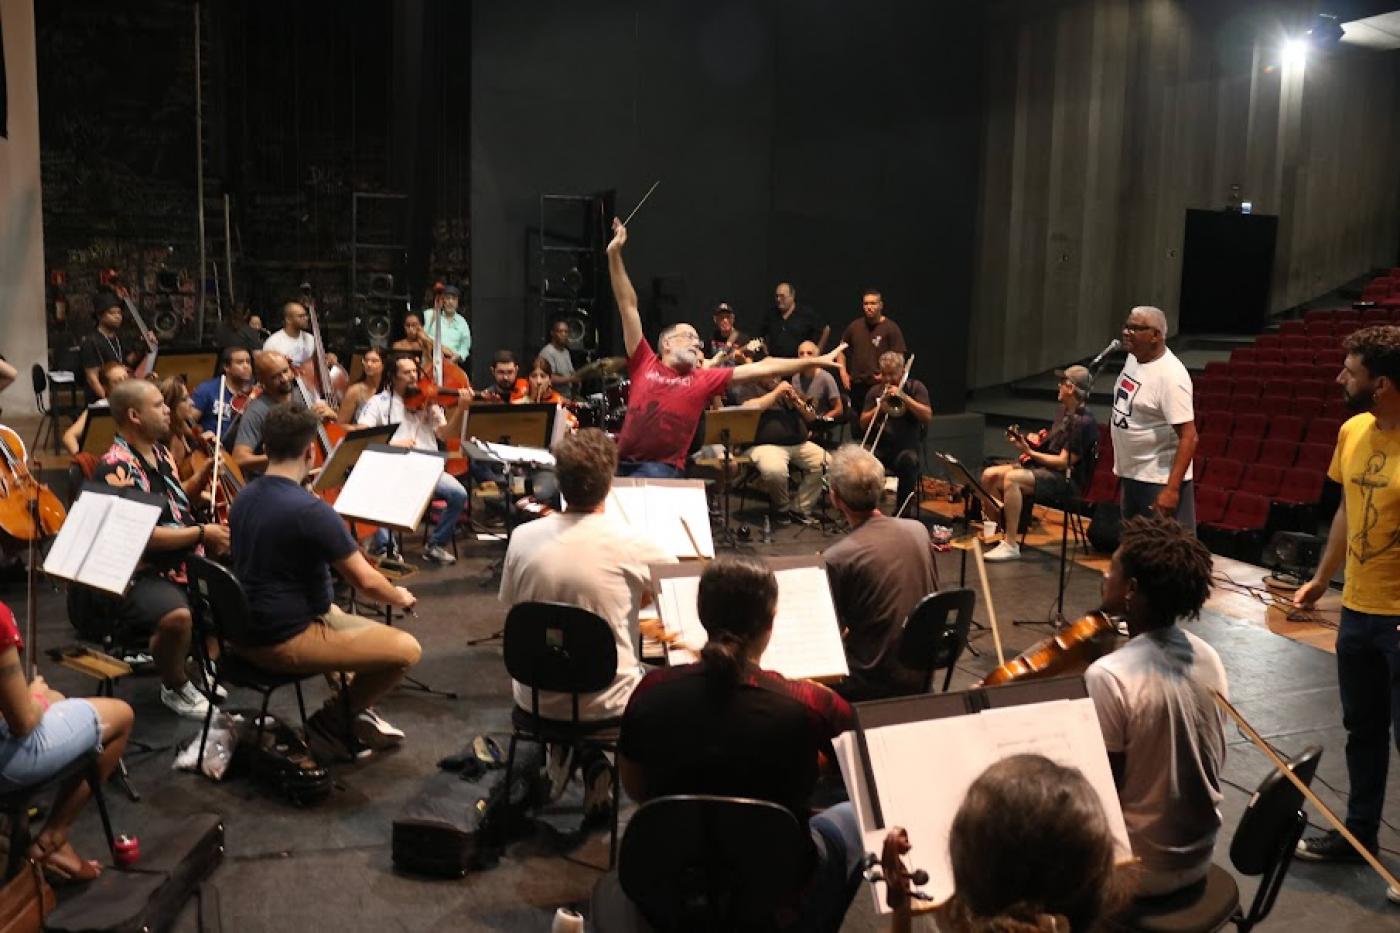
[[837, 874], [1368, 674], [649, 469], [1139, 497], [451, 492], [68, 730]]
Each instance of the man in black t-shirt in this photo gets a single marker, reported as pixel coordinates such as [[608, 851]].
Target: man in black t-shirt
[[102, 345], [284, 542], [902, 437], [781, 443], [866, 338], [1059, 462], [788, 324]]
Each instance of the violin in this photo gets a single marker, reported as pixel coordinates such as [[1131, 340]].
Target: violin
[[426, 392], [1069, 651], [20, 493]]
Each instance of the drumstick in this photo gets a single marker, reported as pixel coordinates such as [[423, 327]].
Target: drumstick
[[987, 595], [641, 202]]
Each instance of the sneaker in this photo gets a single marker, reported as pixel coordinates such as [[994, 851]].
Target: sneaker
[[1004, 551], [185, 701], [376, 732], [439, 554], [327, 739], [597, 794], [1329, 847], [558, 767], [1392, 894], [801, 518]]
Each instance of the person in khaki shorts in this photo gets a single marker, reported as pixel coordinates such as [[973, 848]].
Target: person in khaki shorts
[[284, 542]]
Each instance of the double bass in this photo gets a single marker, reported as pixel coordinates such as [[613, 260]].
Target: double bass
[[441, 383]]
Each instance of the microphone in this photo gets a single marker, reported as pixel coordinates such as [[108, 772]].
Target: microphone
[[1113, 345]]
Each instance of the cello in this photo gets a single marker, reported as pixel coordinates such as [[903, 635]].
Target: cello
[[29, 512], [1069, 651]]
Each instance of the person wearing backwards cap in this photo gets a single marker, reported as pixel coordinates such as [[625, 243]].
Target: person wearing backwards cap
[[1054, 464], [456, 333]]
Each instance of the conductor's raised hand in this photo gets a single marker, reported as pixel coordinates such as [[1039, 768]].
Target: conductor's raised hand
[[619, 238], [829, 358]]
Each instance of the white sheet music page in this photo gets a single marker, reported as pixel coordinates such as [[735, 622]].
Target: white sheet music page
[[102, 541], [513, 453], [806, 639], [657, 508], [923, 770], [390, 489]]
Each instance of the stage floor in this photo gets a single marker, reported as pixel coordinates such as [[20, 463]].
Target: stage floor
[[329, 866]]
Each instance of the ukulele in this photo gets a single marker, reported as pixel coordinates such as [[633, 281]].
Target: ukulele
[[1015, 435]]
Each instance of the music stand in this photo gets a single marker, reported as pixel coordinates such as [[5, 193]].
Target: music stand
[[342, 460], [728, 427], [99, 432], [529, 425], [972, 489]]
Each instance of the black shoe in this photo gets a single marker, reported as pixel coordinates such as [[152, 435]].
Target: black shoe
[[597, 794], [1330, 847], [328, 737]]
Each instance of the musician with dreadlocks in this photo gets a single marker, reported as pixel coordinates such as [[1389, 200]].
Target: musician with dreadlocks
[[1154, 696]]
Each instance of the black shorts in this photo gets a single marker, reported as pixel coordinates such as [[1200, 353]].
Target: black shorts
[[149, 600], [1051, 484]]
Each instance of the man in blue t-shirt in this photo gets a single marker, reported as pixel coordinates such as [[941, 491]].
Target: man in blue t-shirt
[[284, 542], [236, 367]]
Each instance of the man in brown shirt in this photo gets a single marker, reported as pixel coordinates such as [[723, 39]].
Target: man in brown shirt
[[868, 336], [878, 574]]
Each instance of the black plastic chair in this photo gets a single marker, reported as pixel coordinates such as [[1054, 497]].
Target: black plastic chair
[[935, 635], [47, 407], [560, 648], [704, 863], [220, 609], [15, 805], [1263, 846]]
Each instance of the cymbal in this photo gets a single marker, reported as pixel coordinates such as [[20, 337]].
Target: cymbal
[[607, 366]]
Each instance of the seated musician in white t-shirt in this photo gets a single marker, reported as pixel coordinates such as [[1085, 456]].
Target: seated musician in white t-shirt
[[1154, 696]]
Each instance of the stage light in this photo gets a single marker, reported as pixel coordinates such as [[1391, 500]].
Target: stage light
[[1295, 52]]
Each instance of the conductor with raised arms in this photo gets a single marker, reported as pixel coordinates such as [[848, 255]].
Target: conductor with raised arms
[[670, 392]]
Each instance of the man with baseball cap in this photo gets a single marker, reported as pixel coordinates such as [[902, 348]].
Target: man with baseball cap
[[456, 333], [1054, 464]]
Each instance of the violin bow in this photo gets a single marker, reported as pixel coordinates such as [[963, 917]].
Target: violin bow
[[1306, 791], [218, 443]]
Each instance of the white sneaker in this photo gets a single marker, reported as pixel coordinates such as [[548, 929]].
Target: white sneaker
[[186, 701], [375, 731], [1006, 550], [1392, 894], [439, 554]]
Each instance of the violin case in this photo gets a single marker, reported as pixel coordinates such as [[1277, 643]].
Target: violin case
[[456, 825], [150, 894]]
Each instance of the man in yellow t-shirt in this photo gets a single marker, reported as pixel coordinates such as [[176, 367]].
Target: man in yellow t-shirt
[[1366, 533]]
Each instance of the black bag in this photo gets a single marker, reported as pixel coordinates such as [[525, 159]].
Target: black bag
[[454, 826], [150, 894], [283, 764], [1105, 527]]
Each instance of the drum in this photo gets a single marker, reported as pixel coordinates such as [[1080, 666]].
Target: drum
[[615, 404], [592, 411]]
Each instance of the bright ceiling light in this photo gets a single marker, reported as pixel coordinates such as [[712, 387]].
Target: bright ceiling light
[[1295, 52]]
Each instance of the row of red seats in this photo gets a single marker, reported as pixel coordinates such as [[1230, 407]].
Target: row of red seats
[[1365, 315], [1320, 391], [1272, 405], [1291, 428], [1295, 351], [1279, 453], [1217, 374], [1286, 485], [1384, 290]]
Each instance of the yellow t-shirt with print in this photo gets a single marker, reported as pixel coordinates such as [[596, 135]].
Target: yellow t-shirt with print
[[1367, 465]]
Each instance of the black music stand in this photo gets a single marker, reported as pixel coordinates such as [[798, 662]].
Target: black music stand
[[525, 425], [99, 431], [730, 427]]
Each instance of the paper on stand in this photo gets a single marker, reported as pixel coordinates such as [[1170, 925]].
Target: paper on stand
[[923, 770], [806, 639], [102, 541], [662, 510], [390, 488]]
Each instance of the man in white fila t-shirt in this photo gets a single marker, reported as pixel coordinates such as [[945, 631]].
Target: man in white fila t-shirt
[[1154, 431]]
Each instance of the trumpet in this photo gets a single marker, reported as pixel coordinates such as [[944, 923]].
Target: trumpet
[[892, 405]]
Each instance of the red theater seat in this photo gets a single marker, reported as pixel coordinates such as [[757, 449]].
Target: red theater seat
[[1245, 512], [1322, 431], [1250, 424], [1285, 428], [1244, 449], [1314, 457], [1261, 480], [1210, 504], [1222, 473], [1213, 445], [1278, 453], [1300, 487]]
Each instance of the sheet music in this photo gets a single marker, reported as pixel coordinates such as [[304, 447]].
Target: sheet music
[[921, 784], [390, 488], [102, 541], [511, 453], [806, 639], [657, 507], [561, 425]]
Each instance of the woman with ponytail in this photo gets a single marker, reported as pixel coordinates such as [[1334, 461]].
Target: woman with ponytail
[[725, 726]]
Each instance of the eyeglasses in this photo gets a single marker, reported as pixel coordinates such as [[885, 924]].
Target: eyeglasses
[[1129, 325]]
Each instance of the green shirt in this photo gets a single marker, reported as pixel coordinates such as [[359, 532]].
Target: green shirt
[[456, 333]]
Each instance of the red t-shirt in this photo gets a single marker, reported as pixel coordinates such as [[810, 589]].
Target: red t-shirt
[[9, 631], [664, 407]]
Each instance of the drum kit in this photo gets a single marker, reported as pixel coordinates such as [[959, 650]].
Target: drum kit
[[608, 408]]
